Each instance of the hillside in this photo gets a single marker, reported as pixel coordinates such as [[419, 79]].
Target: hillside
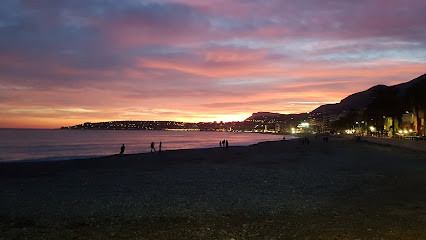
[[359, 101]]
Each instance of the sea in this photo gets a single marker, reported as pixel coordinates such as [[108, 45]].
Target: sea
[[55, 144]]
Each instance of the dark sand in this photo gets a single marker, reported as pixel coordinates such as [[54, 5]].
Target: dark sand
[[273, 190], [403, 143]]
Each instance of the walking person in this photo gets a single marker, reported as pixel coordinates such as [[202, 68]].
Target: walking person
[[220, 144], [226, 144], [122, 150], [152, 146], [159, 148]]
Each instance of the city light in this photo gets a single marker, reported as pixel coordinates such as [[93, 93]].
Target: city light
[[350, 131], [303, 125], [372, 128]]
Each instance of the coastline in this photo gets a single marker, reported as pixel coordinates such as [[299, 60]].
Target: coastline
[[278, 189], [399, 143], [50, 145]]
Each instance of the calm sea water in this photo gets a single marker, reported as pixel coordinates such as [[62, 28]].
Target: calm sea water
[[50, 145]]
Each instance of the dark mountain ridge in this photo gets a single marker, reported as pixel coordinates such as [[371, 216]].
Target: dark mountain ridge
[[374, 103], [359, 101]]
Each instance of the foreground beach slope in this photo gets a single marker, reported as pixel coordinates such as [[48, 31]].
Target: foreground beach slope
[[274, 190]]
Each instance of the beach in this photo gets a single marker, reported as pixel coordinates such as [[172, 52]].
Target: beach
[[412, 144], [342, 189]]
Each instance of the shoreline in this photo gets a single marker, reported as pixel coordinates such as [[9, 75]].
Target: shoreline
[[399, 143], [53, 145], [276, 189]]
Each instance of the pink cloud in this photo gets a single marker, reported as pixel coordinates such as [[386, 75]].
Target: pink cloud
[[198, 60]]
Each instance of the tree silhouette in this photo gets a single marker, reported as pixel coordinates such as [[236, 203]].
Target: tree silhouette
[[416, 100], [385, 103]]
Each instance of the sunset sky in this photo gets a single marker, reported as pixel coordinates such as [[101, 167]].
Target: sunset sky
[[65, 62]]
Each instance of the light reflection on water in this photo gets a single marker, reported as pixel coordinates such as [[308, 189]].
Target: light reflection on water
[[25, 144]]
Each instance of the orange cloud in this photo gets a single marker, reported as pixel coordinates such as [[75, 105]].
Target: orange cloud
[[195, 60]]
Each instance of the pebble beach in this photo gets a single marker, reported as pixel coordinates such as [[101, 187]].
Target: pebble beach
[[342, 189]]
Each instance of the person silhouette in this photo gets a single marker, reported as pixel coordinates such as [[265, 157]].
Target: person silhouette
[[152, 146], [226, 144], [220, 143], [223, 143], [122, 150], [159, 148]]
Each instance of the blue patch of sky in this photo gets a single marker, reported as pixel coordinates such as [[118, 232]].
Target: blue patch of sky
[[156, 50], [284, 45], [316, 49], [399, 54], [407, 51]]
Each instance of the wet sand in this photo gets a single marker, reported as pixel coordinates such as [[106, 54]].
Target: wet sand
[[273, 190]]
